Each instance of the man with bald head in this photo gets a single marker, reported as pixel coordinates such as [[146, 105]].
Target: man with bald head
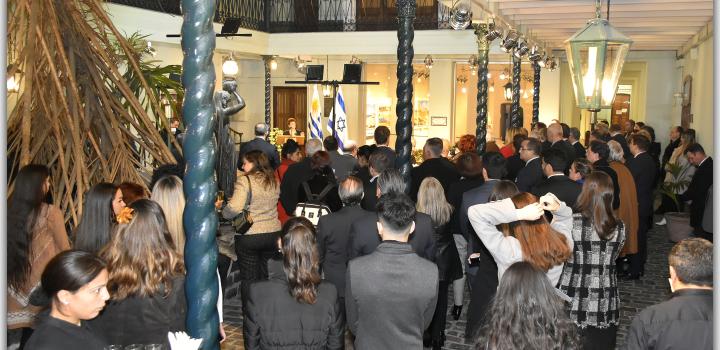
[[333, 231], [555, 136]]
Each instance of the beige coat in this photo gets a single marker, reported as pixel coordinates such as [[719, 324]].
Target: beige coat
[[627, 212], [263, 206]]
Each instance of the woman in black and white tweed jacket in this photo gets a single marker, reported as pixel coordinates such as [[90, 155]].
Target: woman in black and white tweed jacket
[[589, 277]]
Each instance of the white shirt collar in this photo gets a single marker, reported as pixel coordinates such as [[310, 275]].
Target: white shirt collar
[[531, 159], [639, 154], [372, 179], [558, 174], [703, 161]]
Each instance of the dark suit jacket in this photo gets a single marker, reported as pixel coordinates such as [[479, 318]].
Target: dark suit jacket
[[530, 175], [342, 164], [561, 186], [568, 150], [644, 172], [370, 194], [440, 168], [389, 152], [364, 237], [263, 146], [697, 192], [390, 297], [455, 197], [294, 176], [620, 138], [513, 165], [333, 233], [579, 150], [604, 166], [545, 145]]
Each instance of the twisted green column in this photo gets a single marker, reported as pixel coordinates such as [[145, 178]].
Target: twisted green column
[[536, 93], [482, 86], [515, 117], [404, 91], [266, 64], [199, 219]]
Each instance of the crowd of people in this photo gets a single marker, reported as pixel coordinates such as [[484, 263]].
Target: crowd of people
[[343, 251]]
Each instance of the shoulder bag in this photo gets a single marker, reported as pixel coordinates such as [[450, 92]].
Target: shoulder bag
[[243, 221]]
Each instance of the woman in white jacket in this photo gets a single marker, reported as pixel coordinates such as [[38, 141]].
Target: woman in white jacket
[[529, 236]]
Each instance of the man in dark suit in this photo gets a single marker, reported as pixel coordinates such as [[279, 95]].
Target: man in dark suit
[[514, 163], [557, 183], [378, 163], [333, 232], [675, 133], [482, 273], [342, 164], [363, 231], [391, 294], [644, 170], [382, 139], [555, 136], [260, 144], [617, 135], [697, 191], [574, 140], [598, 153], [433, 165], [295, 175], [532, 173]]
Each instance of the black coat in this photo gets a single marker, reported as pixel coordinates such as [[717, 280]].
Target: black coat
[[545, 145], [697, 192], [294, 176], [513, 165], [440, 168], [530, 175], [568, 150], [624, 144], [579, 150], [390, 297], [644, 172], [258, 144], [137, 320], [55, 334], [668, 152], [364, 237], [683, 322], [604, 166], [317, 183], [446, 255], [333, 234], [455, 196], [389, 153], [275, 320], [369, 200], [561, 186]]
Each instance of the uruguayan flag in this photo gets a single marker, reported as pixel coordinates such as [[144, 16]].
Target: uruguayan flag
[[315, 120]]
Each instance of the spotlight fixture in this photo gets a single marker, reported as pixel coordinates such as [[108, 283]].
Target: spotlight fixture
[[535, 54], [510, 41], [460, 16], [428, 62], [522, 48], [230, 67], [493, 31]]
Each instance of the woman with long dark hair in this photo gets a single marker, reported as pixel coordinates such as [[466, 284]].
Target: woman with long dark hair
[[259, 186], [75, 282], [530, 237], [103, 202], [146, 279], [35, 234], [296, 309], [527, 313], [599, 236], [431, 201]]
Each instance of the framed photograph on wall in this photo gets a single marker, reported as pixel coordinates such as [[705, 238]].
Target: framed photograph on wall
[[438, 121]]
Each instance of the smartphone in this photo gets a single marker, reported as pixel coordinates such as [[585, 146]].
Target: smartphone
[[474, 260]]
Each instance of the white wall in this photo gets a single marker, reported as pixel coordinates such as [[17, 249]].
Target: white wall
[[700, 67]]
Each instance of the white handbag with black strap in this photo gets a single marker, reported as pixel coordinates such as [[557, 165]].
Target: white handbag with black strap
[[314, 208]]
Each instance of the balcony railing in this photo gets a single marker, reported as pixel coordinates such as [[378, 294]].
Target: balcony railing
[[296, 16]]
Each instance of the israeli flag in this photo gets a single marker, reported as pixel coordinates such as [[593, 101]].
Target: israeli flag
[[341, 132]]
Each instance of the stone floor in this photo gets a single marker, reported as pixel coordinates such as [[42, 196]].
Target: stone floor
[[635, 295]]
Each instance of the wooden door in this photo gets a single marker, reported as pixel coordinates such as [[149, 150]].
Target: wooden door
[[620, 112], [290, 102]]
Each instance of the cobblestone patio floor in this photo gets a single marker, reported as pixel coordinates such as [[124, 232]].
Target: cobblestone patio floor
[[635, 296]]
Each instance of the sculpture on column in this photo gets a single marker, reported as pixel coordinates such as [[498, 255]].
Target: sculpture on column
[[226, 165], [404, 109]]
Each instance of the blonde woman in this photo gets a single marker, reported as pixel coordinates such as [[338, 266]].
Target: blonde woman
[[431, 201], [508, 150], [168, 192]]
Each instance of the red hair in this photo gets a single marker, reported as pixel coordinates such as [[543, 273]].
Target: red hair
[[541, 245], [466, 143]]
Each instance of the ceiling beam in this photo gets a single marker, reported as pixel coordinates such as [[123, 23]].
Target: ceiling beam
[[699, 15], [561, 3]]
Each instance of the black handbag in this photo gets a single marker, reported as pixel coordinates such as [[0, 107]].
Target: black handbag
[[243, 221]]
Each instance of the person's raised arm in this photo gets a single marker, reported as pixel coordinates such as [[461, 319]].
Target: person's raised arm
[[562, 216]]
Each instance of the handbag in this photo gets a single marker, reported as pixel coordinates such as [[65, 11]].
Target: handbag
[[314, 208], [243, 221]]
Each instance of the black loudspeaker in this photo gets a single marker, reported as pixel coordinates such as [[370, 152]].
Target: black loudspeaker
[[314, 72], [230, 26], [352, 73]]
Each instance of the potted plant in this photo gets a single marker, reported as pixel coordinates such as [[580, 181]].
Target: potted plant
[[678, 223]]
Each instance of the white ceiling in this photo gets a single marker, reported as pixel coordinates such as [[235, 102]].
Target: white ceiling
[[651, 24]]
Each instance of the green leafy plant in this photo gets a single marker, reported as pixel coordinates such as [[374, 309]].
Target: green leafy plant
[[677, 182]]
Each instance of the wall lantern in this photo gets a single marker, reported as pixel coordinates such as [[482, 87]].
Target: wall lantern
[[230, 67], [508, 91], [596, 55]]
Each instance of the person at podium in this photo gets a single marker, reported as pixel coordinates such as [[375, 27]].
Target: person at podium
[[292, 128]]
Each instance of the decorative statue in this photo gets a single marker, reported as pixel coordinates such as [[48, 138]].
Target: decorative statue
[[226, 166]]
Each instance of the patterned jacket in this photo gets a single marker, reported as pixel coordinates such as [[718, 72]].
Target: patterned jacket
[[589, 278]]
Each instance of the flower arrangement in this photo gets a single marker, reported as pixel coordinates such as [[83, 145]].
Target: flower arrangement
[[272, 138]]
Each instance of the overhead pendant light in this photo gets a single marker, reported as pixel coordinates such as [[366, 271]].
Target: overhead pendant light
[[230, 67], [596, 55], [460, 16]]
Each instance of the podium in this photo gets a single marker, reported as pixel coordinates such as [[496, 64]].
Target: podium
[[281, 139]]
